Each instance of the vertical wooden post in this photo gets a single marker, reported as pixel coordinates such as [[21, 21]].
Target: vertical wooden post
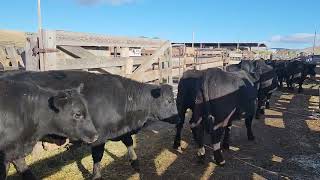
[[128, 67], [170, 66], [160, 70], [31, 59], [49, 58], [184, 60]]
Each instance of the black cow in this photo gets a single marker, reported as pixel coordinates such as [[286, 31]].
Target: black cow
[[280, 66], [268, 84], [293, 72], [28, 112], [216, 98], [297, 72], [264, 78], [119, 106]]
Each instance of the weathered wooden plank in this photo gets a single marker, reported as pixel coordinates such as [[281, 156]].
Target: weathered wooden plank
[[82, 63], [77, 52], [85, 39], [49, 58], [12, 56], [138, 73], [31, 59]]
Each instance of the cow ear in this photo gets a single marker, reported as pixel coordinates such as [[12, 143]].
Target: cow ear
[[80, 88], [57, 102], [156, 93]]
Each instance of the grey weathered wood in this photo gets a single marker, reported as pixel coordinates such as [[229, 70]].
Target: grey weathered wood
[[82, 63], [50, 58], [138, 73], [31, 60], [77, 52], [12, 56], [85, 39]]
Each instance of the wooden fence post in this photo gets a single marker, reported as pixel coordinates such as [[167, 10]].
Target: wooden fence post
[[49, 58], [31, 60], [170, 66]]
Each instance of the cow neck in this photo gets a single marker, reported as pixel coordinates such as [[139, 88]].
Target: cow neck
[[45, 116], [139, 97]]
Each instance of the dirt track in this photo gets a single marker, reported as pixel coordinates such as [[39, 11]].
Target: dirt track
[[286, 147]]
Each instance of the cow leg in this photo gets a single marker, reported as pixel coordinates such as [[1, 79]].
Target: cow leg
[[260, 108], [128, 141], [268, 101], [179, 127], [249, 129], [4, 167], [22, 167], [300, 86], [280, 82], [97, 154], [226, 138], [216, 141], [198, 136]]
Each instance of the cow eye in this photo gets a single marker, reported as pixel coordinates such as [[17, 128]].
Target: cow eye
[[77, 116]]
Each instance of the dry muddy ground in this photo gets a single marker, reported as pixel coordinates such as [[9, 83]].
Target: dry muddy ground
[[287, 146]]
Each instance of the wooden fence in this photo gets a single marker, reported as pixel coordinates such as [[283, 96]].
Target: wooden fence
[[61, 50]]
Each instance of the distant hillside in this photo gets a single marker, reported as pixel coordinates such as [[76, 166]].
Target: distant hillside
[[310, 50], [15, 38]]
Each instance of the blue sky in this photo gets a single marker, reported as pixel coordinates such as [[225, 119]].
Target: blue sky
[[280, 23]]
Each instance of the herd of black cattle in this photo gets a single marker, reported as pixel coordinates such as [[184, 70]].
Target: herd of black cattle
[[94, 108]]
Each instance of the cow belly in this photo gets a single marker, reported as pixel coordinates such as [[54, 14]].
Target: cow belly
[[298, 75], [266, 84]]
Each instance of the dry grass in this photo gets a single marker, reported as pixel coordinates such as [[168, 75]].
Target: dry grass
[[287, 141], [12, 38]]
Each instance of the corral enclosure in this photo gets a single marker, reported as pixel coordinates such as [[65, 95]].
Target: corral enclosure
[[287, 145], [142, 59]]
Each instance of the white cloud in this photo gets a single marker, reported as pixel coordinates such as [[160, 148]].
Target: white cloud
[[112, 2], [298, 38]]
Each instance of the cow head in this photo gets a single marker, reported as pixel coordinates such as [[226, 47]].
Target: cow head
[[71, 115], [164, 107], [252, 68]]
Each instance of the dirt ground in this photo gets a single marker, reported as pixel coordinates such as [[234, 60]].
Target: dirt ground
[[287, 146]]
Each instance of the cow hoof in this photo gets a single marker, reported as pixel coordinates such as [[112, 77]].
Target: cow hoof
[[201, 159], [218, 158], [96, 172], [135, 165], [28, 175], [176, 146]]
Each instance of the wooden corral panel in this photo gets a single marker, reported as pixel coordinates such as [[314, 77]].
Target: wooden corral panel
[[60, 50], [10, 59], [84, 39]]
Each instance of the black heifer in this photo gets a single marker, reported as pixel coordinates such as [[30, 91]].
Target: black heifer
[[216, 98], [280, 67], [28, 112], [264, 78], [297, 72], [268, 84], [119, 106], [293, 72]]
